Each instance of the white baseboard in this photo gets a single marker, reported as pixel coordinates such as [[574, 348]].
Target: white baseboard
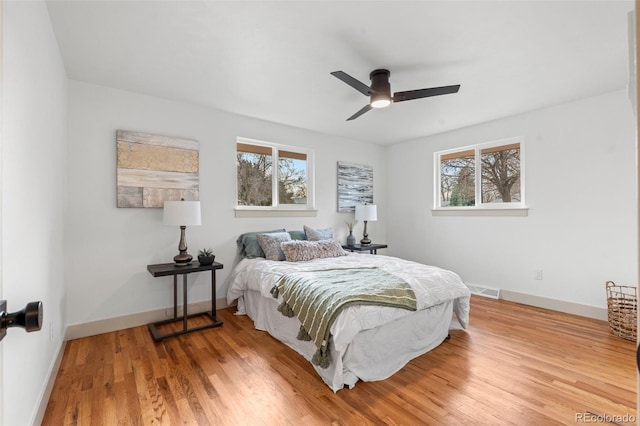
[[48, 388], [76, 331], [555, 305]]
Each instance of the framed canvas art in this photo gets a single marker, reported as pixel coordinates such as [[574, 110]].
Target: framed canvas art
[[154, 168], [355, 186]]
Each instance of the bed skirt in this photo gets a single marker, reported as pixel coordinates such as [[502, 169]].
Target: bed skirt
[[374, 354]]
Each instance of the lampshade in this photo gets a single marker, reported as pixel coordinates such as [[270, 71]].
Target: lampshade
[[181, 213], [366, 212]]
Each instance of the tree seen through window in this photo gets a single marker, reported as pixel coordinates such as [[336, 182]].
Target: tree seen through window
[[476, 176]]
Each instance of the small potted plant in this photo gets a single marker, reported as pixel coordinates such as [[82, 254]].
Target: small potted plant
[[206, 257]]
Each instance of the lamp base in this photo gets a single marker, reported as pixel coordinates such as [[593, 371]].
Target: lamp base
[[365, 241], [183, 259]]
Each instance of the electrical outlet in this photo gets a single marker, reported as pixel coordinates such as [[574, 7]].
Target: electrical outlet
[[538, 274]]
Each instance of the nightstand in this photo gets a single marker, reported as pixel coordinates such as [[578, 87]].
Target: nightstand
[[170, 269], [371, 248]]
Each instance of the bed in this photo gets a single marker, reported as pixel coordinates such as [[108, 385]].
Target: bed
[[366, 342]]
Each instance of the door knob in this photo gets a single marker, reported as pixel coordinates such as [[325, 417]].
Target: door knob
[[29, 318]]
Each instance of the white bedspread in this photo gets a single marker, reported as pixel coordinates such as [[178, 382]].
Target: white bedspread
[[431, 285]]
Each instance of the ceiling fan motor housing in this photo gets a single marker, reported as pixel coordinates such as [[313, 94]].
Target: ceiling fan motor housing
[[380, 86], [380, 82]]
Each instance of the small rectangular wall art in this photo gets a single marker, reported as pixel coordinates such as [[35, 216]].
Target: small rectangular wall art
[[355, 186]]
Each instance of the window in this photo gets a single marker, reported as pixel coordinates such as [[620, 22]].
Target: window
[[488, 176], [273, 176]]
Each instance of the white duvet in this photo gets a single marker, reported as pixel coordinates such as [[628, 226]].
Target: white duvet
[[431, 285]]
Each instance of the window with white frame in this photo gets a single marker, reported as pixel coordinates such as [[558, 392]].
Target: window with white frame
[[273, 176], [488, 175]]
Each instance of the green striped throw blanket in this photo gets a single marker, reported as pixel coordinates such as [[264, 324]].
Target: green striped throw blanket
[[317, 297]]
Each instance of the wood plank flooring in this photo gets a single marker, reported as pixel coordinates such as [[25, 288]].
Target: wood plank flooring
[[513, 365]]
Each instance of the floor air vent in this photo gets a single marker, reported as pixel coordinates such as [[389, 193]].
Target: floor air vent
[[493, 293]]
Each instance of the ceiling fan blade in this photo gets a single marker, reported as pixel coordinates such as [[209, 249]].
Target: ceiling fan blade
[[424, 93], [356, 84], [364, 109]]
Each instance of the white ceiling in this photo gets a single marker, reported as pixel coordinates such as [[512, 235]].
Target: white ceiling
[[271, 59]]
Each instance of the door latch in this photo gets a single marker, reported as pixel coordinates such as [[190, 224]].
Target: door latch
[[29, 318]]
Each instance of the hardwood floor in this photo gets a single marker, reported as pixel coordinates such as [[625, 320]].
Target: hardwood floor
[[514, 365]]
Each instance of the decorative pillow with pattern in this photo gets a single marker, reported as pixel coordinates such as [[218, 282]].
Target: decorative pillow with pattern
[[299, 251], [318, 234], [249, 246], [270, 244]]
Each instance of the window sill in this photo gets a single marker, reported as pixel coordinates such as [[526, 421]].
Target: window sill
[[249, 212], [515, 211]]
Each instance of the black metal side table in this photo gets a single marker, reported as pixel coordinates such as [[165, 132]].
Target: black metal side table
[[170, 269], [371, 248]]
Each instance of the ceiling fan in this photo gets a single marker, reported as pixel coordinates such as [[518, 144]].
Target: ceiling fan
[[380, 90]]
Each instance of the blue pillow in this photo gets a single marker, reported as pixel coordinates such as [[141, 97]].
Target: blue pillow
[[318, 234], [297, 235], [249, 245]]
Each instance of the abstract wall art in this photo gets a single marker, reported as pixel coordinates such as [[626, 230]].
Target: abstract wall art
[[355, 186], [153, 168]]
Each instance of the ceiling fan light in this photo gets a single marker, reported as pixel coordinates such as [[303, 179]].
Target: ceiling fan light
[[380, 101]]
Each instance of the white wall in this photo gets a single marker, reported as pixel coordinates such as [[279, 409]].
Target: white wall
[[580, 234], [108, 249], [59, 227], [33, 200]]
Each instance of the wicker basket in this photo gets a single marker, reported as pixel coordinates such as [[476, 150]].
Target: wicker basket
[[622, 310]]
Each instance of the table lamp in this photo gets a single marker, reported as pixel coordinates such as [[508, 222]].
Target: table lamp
[[182, 213], [365, 213]]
